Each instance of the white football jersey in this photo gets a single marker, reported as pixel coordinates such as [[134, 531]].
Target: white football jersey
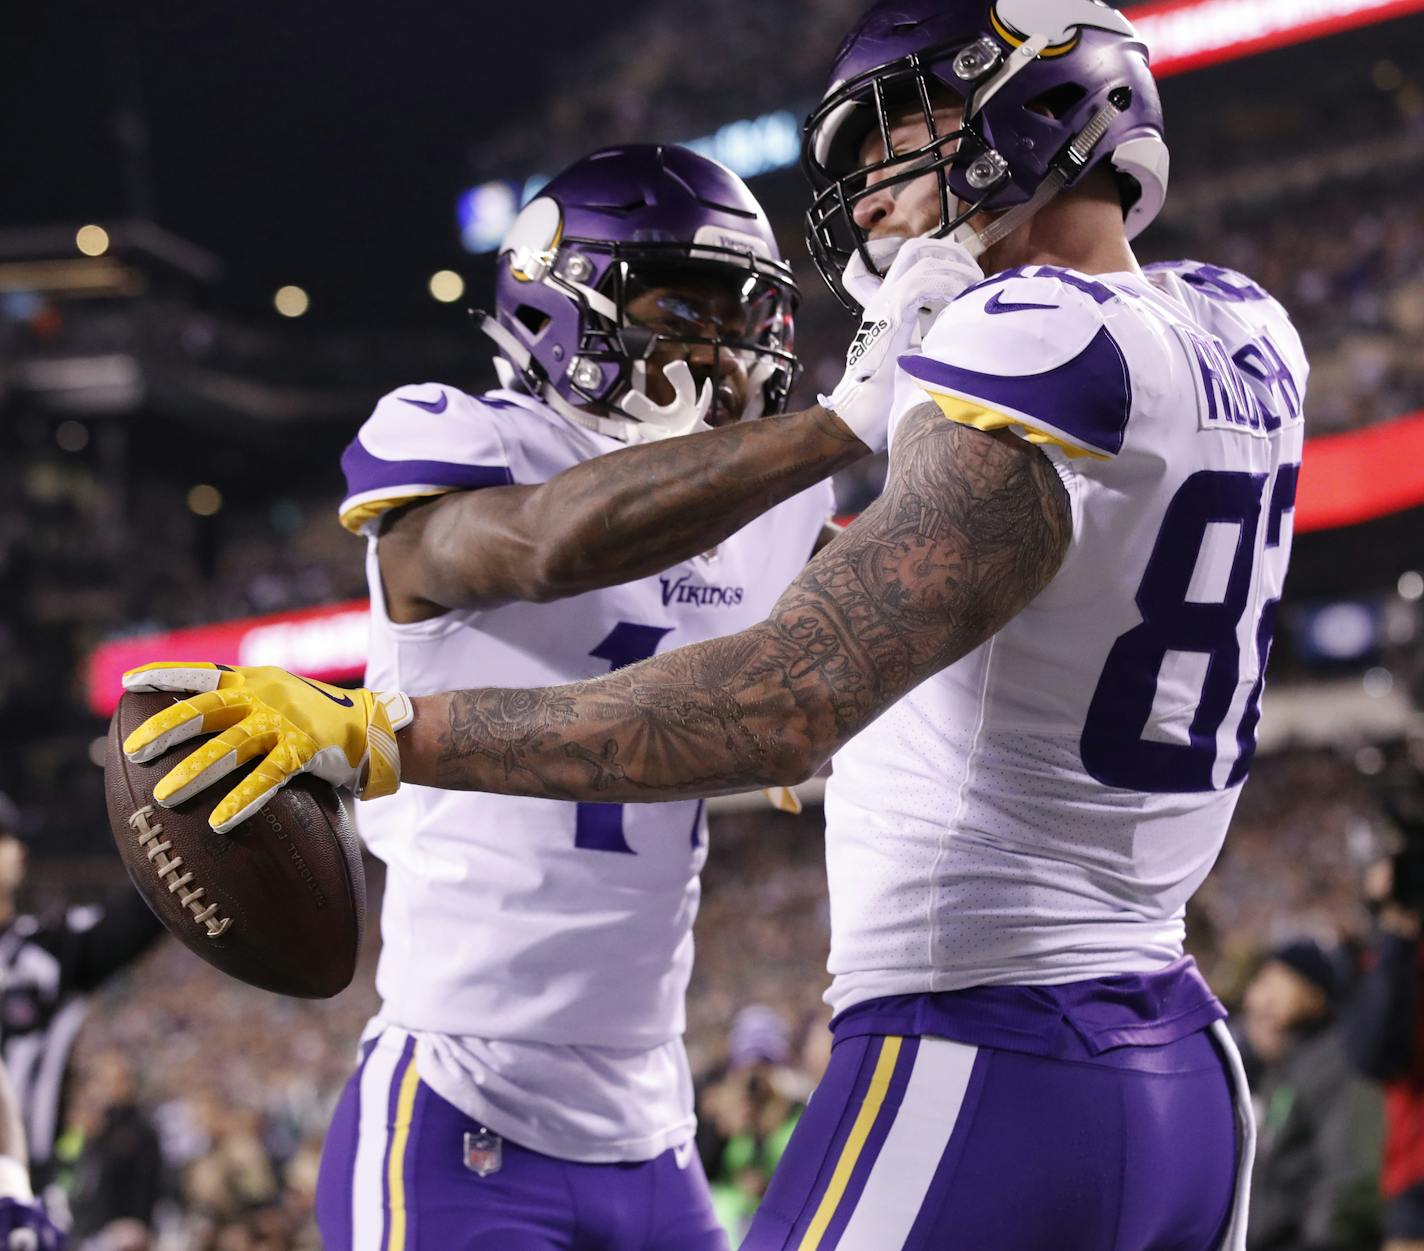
[[541, 950], [1040, 812]]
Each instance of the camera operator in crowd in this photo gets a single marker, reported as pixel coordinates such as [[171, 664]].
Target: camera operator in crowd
[[1383, 1026], [1316, 1180]]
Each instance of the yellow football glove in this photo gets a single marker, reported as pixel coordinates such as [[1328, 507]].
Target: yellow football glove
[[345, 737]]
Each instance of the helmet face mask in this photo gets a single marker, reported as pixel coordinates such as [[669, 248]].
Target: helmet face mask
[[909, 91], [660, 302], [1034, 79], [734, 328], [614, 227]]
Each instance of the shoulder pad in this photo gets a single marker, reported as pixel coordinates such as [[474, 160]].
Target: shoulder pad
[[1031, 351], [421, 440]]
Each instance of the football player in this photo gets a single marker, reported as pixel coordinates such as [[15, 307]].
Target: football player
[[24, 1223], [1038, 659], [525, 1084]]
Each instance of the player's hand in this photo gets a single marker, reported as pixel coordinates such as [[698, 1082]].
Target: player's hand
[[927, 275], [25, 1226], [296, 726]]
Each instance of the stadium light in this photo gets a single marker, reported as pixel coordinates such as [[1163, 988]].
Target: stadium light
[[72, 436], [1378, 682], [485, 213], [291, 301], [205, 500], [92, 240], [757, 145], [447, 286]]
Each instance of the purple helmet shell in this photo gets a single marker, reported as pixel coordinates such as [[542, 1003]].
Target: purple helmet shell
[[1049, 87], [566, 262]]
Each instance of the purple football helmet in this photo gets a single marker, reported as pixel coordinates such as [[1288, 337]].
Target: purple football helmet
[[1050, 90], [624, 220]]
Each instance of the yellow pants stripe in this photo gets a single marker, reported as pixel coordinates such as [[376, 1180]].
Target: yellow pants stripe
[[850, 1153], [395, 1162]]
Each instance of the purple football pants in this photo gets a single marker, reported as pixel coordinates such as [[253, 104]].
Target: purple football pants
[[394, 1177], [923, 1144]]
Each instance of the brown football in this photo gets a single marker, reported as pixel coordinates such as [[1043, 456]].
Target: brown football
[[279, 902]]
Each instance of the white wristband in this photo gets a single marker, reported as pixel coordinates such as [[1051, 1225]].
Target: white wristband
[[15, 1180]]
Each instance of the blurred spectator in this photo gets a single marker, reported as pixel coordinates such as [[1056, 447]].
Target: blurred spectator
[[118, 1173], [235, 1175], [748, 1114], [1384, 1038], [239, 1085], [1291, 865], [47, 966], [1316, 1181], [24, 1220]]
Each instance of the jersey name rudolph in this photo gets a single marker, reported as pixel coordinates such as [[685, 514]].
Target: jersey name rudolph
[[1040, 812], [540, 950]]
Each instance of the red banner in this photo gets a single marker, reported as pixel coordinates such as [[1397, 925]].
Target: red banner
[[328, 643], [1188, 34], [1350, 478]]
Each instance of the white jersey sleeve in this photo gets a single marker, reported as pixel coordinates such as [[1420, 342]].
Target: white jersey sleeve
[[1034, 353], [422, 440]]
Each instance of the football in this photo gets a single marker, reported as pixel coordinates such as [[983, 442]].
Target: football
[[279, 902]]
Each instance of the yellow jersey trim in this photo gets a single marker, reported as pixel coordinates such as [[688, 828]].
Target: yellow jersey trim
[[970, 413], [359, 516]]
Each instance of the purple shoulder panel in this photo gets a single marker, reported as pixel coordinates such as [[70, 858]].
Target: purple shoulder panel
[[367, 472], [1088, 398]]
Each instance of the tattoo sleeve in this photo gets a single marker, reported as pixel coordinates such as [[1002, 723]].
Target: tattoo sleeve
[[613, 519], [970, 528]]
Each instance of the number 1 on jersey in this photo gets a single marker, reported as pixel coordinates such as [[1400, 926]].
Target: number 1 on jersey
[[599, 827]]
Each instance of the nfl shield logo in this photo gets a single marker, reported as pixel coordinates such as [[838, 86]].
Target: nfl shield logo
[[484, 1153]]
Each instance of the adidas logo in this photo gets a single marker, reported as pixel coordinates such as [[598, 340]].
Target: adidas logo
[[865, 339]]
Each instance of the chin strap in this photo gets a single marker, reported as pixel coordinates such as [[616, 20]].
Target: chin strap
[[977, 242], [1069, 166]]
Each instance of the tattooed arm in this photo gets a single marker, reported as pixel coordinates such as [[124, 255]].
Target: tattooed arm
[[610, 520], [970, 528]]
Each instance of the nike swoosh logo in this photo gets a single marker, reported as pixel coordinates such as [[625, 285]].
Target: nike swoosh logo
[[345, 701], [430, 406], [999, 305]]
